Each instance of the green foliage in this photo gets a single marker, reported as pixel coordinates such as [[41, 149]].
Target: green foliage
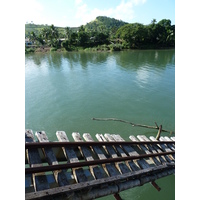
[[50, 35], [38, 28], [133, 34], [37, 39], [105, 34], [53, 49], [73, 39], [83, 38], [65, 44], [138, 35], [103, 23], [125, 45], [29, 50], [115, 47]]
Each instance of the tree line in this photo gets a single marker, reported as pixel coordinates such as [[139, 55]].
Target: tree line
[[128, 36]]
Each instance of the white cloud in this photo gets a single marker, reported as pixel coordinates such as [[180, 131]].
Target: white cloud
[[137, 2], [33, 11], [37, 12], [124, 11], [77, 2]]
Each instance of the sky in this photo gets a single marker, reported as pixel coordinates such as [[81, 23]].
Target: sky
[[74, 13]]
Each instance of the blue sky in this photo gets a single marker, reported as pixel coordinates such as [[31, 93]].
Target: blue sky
[[74, 13]]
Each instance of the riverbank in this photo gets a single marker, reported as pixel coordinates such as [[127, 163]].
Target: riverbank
[[99, 48]]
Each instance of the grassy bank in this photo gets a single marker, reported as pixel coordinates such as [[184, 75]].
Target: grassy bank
[[99, 48]]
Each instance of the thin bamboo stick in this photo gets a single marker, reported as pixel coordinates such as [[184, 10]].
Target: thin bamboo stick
[[133, 124]]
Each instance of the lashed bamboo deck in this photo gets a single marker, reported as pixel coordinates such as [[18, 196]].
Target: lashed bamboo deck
[[86, 169]]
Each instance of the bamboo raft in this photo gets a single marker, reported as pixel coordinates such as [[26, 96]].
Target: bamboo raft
[[89, 169]]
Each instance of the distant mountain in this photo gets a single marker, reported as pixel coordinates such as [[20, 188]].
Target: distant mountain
[[36, 28], [99, 24], [33, 27], [102, 22]]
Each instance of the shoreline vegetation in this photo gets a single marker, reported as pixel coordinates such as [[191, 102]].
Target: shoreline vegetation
[[102, 34]]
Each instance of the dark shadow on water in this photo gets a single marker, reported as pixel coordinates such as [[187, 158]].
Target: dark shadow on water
[[128, 60], [133, 60]]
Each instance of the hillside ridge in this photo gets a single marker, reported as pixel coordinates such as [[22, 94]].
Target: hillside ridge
[[98, 22]]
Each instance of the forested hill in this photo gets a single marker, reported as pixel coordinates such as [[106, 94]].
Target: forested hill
[[37, 28], [103, 22], [112, 34]]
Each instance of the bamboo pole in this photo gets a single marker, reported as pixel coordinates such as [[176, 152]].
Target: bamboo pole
[[133, 124], [159, 132]]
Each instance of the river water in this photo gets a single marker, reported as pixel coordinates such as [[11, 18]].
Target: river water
[[64, 91]]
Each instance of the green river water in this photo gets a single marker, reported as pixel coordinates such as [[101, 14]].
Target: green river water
[[63, 91]]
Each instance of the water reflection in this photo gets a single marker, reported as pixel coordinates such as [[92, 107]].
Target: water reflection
[[36, 58], [133, 60], [127, 60], [85, 59], [54, 60], [74, 87], [142, 77]]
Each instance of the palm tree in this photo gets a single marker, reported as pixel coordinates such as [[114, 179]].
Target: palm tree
[[53, 36], [50, 34], [68, 33], [53, 32], [33, 37], [45, 34]]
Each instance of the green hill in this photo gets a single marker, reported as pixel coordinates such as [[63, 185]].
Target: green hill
[[36, 28], [103, 22], [99, 24], [105, 31], [33, 27]]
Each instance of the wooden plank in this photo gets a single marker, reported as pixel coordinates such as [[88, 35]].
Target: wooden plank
[[107, 148], [101, 154], [102, 174], [28, 183], [154, 148], [173, 138], [160, 150], [96, 171], [172, 146], [121, 185], [79, 174], [141, 162], [136, 164], [144, 147], [60, 176], [136, 147], [49, 154], [151, 148], [109, 180], [130, 151], [40, 181], [127, 148], [84, 150], [117, 147], [168, 145], [109, 168], [145, 165], [69, 152], [147, 178], [163, 147], [167, 157], [121, 166], [131, 165]]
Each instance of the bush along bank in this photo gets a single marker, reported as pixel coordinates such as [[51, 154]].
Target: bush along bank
[[99, 38]]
